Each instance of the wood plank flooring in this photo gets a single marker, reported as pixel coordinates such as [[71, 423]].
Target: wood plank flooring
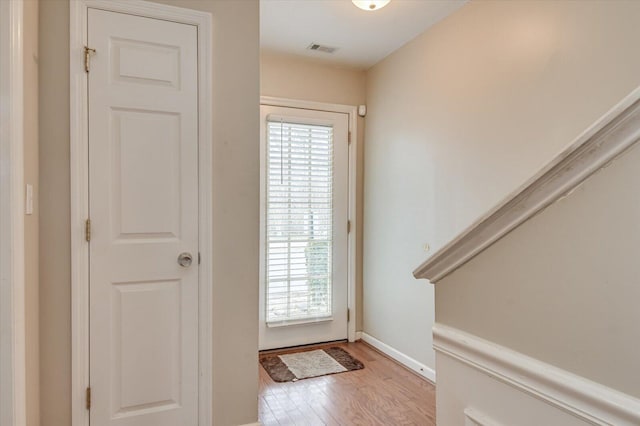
[[383, 393]]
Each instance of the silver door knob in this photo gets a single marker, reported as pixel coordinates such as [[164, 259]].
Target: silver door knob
[[185, 259]]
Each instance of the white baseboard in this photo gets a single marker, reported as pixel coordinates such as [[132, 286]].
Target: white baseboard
[[252, 424], [589, 401], [426, 372], [358, 335]]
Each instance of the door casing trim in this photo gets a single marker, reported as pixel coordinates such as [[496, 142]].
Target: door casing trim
[[80, 193], [12, 309], [352, 242]]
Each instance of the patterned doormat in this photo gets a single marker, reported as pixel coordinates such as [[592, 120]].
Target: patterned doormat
[[303, 365]]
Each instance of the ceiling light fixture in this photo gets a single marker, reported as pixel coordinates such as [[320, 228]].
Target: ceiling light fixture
[[370, 4]]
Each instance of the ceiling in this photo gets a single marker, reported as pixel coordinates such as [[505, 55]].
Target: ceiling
[[362, 37]]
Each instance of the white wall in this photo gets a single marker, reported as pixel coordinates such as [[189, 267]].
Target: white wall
[[461, 116]]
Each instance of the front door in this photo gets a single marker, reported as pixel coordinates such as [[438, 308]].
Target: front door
[[304, 211], [143, 202]]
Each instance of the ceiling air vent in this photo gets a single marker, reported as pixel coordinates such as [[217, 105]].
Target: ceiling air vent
[[321, 48]]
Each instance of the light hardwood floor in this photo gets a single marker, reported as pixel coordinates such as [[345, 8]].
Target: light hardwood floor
[[383, 393]]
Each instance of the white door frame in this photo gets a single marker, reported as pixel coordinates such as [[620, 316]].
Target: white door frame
[[12, 311], [352, 111], [80, 193]]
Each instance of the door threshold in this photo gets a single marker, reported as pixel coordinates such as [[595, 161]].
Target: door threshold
[[299, 347]]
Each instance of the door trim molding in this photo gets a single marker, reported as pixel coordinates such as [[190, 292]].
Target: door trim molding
[[12, 311], [80, 193], [352, 244]]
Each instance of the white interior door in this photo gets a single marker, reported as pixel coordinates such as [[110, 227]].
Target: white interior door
[[143, 192], [304, 212]]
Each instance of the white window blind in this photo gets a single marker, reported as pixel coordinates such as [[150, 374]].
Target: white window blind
[[299, 221]]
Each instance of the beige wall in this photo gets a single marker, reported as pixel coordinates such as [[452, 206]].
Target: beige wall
[[461, 116], [31, 221], [55, 263], [563, 287], [235, 222], [294, 77]]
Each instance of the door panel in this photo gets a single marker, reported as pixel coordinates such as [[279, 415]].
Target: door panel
[[139, 209], [303, 231], [141, 62], [143, 202], [145, 326]]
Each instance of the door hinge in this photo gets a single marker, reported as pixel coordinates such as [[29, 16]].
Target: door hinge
[[349, 138], [348, 314], [199, 259], [348, 226], [87, 230], [88, 401], [87, 56]]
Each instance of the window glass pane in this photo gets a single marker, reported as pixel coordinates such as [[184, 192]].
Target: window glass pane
[[299, 221]]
